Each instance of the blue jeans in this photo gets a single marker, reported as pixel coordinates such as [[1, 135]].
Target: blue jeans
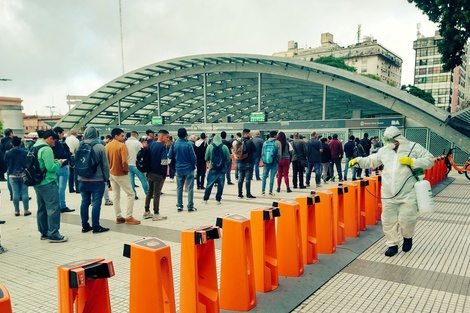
[[215, 177], [62, 178], [317, 167], [256, 167], [92, 193], [133, 171], [180, 179], [245, 171], [20, 191], [346, 167], [48, 210], [228, 171], [269, 170]]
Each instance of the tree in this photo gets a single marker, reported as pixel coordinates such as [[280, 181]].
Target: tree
[[372, 76], [420, 93], [335, 62], [453, 17]]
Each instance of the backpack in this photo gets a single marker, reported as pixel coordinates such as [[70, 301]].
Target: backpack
[[239, 152], [217, 158], [143, 160], [269, 152], [357, 152], [85, 163], [32, 173]]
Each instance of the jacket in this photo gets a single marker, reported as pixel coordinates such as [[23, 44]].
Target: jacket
[[217, 142], [102, 171], [182, 153], [47, 162], [15, 159]]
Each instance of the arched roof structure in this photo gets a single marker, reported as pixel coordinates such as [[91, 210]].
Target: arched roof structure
[[215, 87]]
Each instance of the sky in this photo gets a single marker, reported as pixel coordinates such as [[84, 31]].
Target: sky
[[53, 48]]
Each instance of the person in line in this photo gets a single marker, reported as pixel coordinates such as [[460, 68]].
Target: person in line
[[245, 166], [235, 142], [73, 143], [182, 153], [271, 169], [258, 142], [133, 147], [62, 151], [358, 151], [228, 170], [15, 159], [200, 147], [117, 154], [325, 159], [314, 150], [157, 175], [284, 164], [47, 191], [92, 188], [365, 143], [5, 146], [336, 148], [402, 159], [216, 175], [299, 160], [348, 151]]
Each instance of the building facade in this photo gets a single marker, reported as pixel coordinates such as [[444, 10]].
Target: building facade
[[368, 57], [449, 89], [10, 114]]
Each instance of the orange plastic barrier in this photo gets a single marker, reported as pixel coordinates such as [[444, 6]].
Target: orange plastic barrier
[[151, 276], [351, 211], [370, 200], [308, 228], [233, 161], [263, 238], [83, 286], [237, 281], [324, 218], [289, 239], [361, 195], [199, 292], [338, 213], [5, 303], [378, 192]]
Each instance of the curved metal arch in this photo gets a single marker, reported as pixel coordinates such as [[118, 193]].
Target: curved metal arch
[[130, 88]]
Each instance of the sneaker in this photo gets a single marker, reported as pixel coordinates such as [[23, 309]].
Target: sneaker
[[302, 187], [66, 210], [120, 220], [204, 201], [158, 217], [180, 209], [271, 194], [43, 237], [230, 183], [86, 228], [171, 180], [318, 185], [250, 197], [278, 190], [219, 203], [307, 185], [136, 198], [192, 210], [59, 239], [147, 215], [108, 202], [263, 193], [100, 230], [240, 196], [132, 221], [17, 213], [289, 190], [27, 213]]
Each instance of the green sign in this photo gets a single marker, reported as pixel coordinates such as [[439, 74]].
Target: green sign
[[157, 120], [258, 117]]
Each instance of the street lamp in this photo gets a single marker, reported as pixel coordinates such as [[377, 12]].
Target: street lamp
[[50, 108]]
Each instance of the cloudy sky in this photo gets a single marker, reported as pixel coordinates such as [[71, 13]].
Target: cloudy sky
[[52, 48]]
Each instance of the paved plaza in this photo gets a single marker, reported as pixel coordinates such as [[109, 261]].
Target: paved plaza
[[433, 277]]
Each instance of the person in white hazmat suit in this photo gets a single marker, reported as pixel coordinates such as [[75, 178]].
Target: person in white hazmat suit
[[399, 204]]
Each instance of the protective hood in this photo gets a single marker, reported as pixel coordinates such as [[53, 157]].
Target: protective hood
[[393, 133]]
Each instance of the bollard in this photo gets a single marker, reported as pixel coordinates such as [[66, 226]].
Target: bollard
[[289, 247], [83, 286], [361, 184], [370, 200], [237, 281], [198, 274], [308, 228], [378, 192], [351, 211], [263, 238], [151, 276], [338, 213], [324, 221], [5, 303]]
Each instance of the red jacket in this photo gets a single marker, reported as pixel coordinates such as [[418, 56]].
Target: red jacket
[[336, 149]]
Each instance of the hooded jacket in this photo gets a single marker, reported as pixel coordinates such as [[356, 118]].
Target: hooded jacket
[[217, 141], [102, 171]]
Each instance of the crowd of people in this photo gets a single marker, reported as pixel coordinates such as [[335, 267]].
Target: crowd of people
[[204, 159]]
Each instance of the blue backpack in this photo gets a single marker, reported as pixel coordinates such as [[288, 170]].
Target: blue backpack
[[269, 152], [218, 159]]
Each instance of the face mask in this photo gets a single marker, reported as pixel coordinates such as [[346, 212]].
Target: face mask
[[392, 145]]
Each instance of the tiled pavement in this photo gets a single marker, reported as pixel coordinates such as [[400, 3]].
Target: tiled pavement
[[433, 277]]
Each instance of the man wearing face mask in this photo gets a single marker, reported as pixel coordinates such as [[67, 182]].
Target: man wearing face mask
[[400, 158]]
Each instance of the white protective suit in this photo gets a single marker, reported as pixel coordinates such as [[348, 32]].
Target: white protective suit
[[399, 208]]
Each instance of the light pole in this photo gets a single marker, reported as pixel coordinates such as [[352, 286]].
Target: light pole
[[50, 108]]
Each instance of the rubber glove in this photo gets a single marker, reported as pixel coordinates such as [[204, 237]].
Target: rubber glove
[[353, 163], [406, 161]]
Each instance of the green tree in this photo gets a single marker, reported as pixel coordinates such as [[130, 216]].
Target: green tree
[[453, 18], [335, 62], [420, 93], [372, 76]]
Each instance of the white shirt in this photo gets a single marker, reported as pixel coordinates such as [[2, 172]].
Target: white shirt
[[133, 147], [72, 142]]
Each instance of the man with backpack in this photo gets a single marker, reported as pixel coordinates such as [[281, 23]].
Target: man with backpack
[[156, 175], [271, 154], [228, 169], [92, 186], [366, 144], [200, 147], [219, 156], [47, 191], [244, 152], [116, 152]]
